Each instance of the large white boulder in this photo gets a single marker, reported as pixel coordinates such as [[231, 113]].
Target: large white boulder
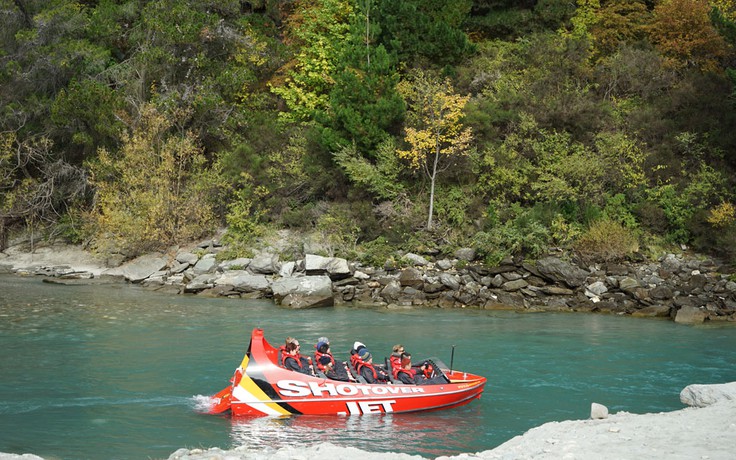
[[706, 395]]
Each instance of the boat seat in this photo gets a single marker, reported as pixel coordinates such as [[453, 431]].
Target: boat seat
[[354, 372], [315, 367]]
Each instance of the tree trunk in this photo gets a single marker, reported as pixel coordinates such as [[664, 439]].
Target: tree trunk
[[432, 178]]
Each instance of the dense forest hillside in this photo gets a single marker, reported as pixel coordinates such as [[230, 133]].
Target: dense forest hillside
[[601, 126]]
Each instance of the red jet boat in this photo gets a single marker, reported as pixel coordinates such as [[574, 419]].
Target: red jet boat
[[261, 387]]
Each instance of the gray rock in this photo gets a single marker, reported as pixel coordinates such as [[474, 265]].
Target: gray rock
[[671, 263], [466, 254], [186, 257], [653, 311], [241, 280], [206, 264], [450, 281], [432, 288], [335, 267], [209, 244], [560, 271], [265, 264], [241, 263], [319, 286], [416, 259], [661, 293], [392, 291], [557, 290], [627, 284], [201, 282], [511, 276], [598, 288], [287, 268], [514, 285], [141, 268], [506, 301], [444, 264], [598, 411], [706, 395], [178, 267], [411, 277], [299, 301], [690, 315], [617, 269]]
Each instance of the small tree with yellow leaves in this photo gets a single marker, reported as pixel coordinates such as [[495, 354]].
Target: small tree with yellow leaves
[[435, 133], [154, 192]]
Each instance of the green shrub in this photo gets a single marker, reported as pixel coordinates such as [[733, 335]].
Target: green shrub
[[298, 215], [618, 209], [451, 205], [519, 237], [606, 240], [338, 230], [71, 227], [156, 191], [375, 253], [234, 250]]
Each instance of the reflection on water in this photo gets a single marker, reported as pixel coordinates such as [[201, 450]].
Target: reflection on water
[[429, 434]]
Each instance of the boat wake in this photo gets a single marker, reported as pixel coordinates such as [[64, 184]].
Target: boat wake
[[203, 403], [34, 405]]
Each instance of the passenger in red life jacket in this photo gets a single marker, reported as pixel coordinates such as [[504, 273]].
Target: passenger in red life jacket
[[419, 375], [395, 359], [366, 369], [326, 362], [291, 358]]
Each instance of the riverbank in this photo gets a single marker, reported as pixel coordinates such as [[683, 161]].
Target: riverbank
[[685, 288]]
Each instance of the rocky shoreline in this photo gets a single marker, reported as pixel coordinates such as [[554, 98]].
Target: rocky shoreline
[[685, 289]]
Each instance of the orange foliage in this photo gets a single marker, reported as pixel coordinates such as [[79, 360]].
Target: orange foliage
[[683, 33]]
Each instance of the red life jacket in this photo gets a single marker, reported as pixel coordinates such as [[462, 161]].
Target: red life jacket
[[318, 355], [411, 371], [285, 354], [395, 361], [358, 364], [355, 360], [362, 364]]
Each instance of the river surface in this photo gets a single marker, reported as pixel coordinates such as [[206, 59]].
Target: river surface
[[117, 372]]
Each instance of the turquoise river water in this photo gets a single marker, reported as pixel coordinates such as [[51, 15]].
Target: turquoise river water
[[117, 372]]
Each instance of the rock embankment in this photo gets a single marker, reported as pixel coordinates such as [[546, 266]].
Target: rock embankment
[[686, 289]]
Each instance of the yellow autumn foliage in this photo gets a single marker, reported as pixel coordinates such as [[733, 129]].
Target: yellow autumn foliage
[[435, 132], [154, 192]]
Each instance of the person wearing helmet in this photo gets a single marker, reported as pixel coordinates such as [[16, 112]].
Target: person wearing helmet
[[416, 375], [366, 369], [326, 363]]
